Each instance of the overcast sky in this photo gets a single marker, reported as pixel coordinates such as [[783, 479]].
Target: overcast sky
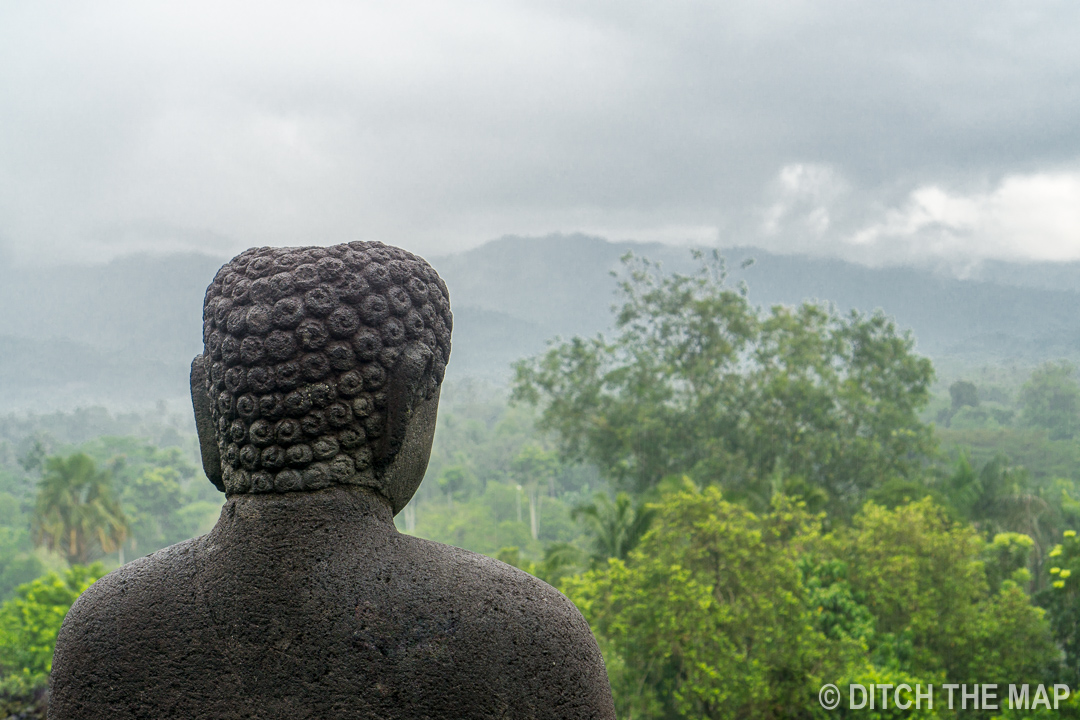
[[881, 132]]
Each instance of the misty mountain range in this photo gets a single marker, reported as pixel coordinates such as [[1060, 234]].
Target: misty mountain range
[[123, 333]]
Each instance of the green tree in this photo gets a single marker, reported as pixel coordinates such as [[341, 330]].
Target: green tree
[[963, 394], [699, 382], [924, 580], [1006, 557], [453, 480], [34, 452], [30, 621], [76, 512], [17, 564], [1062, 601], [721, 612], [1050, 399], [152, 503], [708, 617]]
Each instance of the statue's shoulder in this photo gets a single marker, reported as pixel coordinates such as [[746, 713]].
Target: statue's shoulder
[[485, 583], [146, 581], [126, 627], [520, 627]]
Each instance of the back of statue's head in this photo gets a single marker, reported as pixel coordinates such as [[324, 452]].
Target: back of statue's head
[[315, 359]]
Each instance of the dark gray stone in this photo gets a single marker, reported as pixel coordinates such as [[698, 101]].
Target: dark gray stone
[[316, 400]]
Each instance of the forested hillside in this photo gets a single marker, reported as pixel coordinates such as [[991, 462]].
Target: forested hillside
[[123, 333]]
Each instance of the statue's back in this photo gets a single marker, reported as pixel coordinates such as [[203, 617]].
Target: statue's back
[[294, 622]]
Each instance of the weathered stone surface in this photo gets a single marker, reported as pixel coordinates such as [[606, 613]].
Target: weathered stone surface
[[316, 401]]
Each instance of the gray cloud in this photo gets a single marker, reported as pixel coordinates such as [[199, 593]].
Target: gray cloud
[[822, 127]]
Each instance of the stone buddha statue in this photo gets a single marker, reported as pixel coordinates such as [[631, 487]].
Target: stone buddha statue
[[315, 400]]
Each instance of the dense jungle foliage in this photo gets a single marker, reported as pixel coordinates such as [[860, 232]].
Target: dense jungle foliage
[[745, 504]]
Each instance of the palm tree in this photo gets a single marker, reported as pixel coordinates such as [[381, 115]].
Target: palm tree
[[76, 512], [617, 526], [998, 498]]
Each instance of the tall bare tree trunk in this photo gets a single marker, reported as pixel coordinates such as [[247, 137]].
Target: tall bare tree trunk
[[534, 511]]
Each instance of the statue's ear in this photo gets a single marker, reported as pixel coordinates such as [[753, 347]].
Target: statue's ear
[[204, 424], [402, 397]]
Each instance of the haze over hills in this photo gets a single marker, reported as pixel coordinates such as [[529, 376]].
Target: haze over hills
[[124, 333]]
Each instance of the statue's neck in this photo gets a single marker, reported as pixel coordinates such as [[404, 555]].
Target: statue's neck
[[333, 515]]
